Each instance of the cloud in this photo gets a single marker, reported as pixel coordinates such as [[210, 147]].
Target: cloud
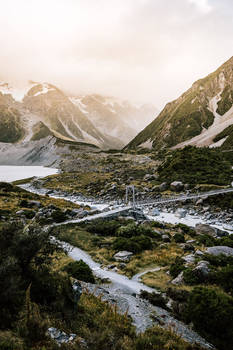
[[143, 50], [203, 5]]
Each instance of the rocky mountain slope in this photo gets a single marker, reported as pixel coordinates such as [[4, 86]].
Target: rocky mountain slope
[[43, 110], [201, 116]]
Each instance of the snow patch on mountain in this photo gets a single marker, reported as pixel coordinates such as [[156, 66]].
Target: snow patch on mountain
[[45, 89], [16, 93]]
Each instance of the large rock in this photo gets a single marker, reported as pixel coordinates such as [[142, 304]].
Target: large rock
[[218, 250], [163, 187], [204, 229], [202, 268], [189, 259], [179, 279], [177, 186], [123, 256]]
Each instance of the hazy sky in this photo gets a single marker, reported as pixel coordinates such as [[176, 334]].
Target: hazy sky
[[143, 50]]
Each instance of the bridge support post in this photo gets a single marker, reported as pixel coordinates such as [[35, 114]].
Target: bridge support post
[[129, 189]]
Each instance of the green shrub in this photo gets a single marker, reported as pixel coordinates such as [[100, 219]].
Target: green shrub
[[186, 229], [227, 241], [219, 260], [224, 278], [211, 313], [80, 270], [133, 244], [128, 231], [179, 238], [58, 215], [103, 227], [155, 299], [192, 277], [177, 267], [206, 240]]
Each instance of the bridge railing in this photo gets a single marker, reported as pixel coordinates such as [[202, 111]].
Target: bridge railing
[[183, 197]]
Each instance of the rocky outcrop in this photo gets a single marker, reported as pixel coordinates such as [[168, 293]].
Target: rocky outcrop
[[123, 256], [218, 250]]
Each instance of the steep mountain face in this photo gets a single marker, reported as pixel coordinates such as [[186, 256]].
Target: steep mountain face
[[196, 117], [11, 129], [41, 110], [114, 117]]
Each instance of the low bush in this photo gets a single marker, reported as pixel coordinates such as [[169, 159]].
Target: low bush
[[80, 270], [177, 267], [155, 299], [227, 241], [58, 215], [206, 240], [224, 278], [134, 244], [192, 277], [102, 227], [211, 312], [186, 230], [179, 238]]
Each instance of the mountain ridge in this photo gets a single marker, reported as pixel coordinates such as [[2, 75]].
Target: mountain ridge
[[205, 108]]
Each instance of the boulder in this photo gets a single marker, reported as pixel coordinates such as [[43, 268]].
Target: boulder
[[155, 212], [163, 187], [166, 238], [218, 250], [198, 253], [204, 229], [179, 279], [189, 259], [202, 268], [187, 247], [181, 213], [123, 256], [177, 186]]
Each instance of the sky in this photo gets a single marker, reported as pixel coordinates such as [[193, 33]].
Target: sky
[[147, 51]]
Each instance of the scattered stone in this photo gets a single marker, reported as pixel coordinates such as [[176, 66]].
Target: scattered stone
[[123, 256], [202, 268], [179, 279], [204, 229], [181, 213], [187, 247], [155, 212], [166, 238], [163, 187], [189, 259], [177, 186], [198, 253], [60, 337], [218, 250]]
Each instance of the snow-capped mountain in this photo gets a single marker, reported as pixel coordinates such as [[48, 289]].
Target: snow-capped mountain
[[202, 116], [41, 109]]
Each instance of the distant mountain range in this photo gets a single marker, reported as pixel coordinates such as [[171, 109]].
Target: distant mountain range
[[202, 116], [42, 110]]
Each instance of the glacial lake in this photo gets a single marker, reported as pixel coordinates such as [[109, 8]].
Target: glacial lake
[[9, 173]]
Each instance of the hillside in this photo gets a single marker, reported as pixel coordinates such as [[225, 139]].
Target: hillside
[[196, 117]]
